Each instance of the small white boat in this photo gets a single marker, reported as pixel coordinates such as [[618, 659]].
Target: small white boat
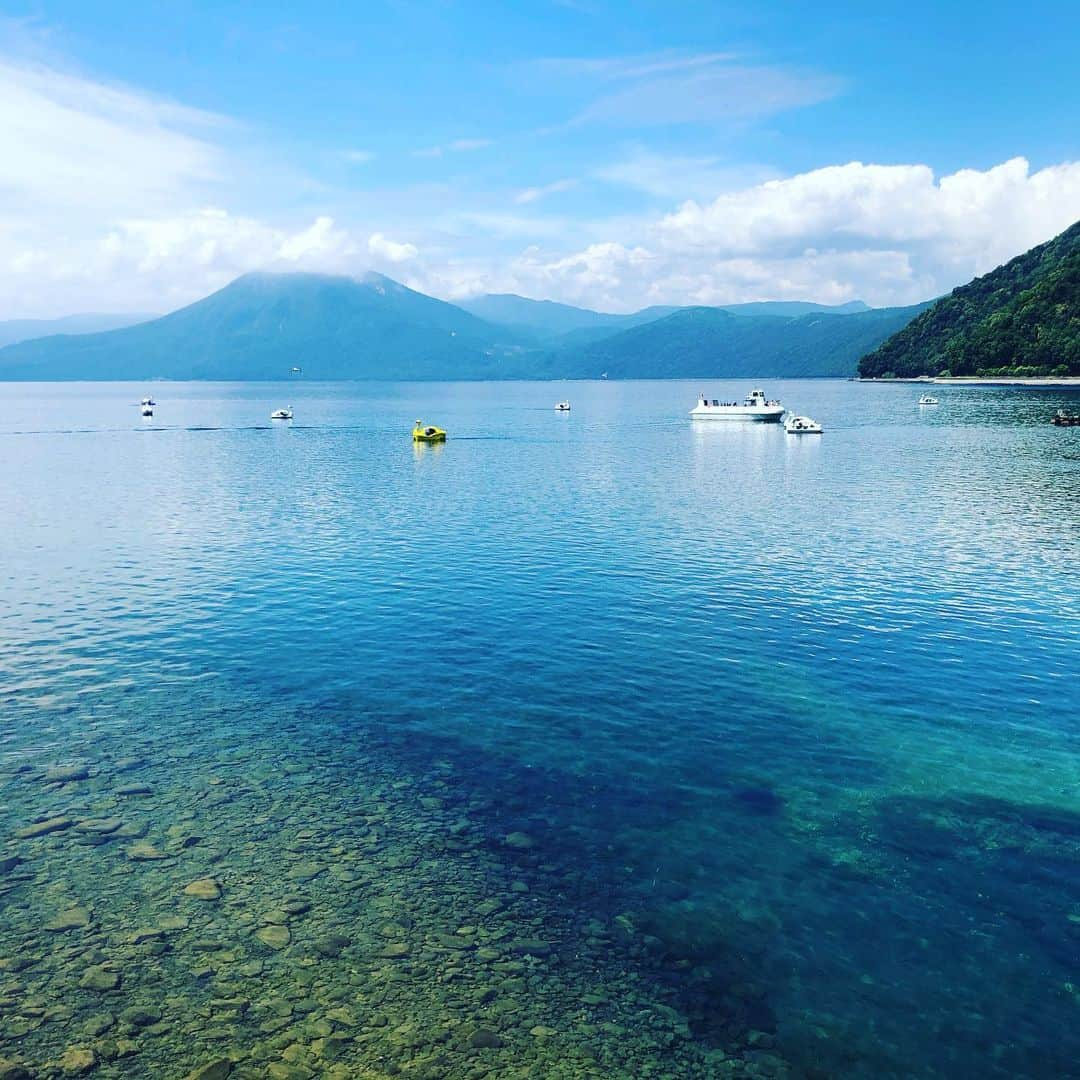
[[926, 399], [754, 407], [148, 401], [562, 406], [801, 425], [147, 411], [281, 414]]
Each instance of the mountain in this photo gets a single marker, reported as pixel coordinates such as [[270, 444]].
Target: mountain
[[795, 308], [15, 330], [580, 326], [548, 319], [262, 324], [713, 343], [1021, 319]]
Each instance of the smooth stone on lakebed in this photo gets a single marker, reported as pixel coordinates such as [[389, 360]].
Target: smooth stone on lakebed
[[203, 889], [76, 1060], [484, 1039], [63, 774], [398, 950], [531, 947], [99, 826], [144, 851], [40, 828], [304, 871], [74, 918], [134, 789], [519, 840], [212, 1070], [274, 936], [140, 1016], [331, 945], [453, 941], [98, 978], [98, 1024]]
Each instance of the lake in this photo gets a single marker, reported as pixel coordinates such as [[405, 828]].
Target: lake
[[602, 744]]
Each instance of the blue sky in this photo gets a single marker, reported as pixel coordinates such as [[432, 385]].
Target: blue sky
[[607, 154]]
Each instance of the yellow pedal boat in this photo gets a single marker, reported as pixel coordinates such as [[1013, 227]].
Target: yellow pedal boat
[[427, 434]]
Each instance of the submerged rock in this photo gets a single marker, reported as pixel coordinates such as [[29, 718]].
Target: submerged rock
[[98, 1024], [140, 1016], [331, 945], [520, 841], [274, 936], [64, 774], [77, 1060], [41, 828], [144, 851], [531, 947], [203, 889], [99, 978], [212, 1070], [99, 826], [74, 918]]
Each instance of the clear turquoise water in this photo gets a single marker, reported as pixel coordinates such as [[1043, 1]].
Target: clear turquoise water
[[805, 709]]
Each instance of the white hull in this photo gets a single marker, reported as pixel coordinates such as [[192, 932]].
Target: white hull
[[764, 414]]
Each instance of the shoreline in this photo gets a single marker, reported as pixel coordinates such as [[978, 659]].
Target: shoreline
[[976, 380]]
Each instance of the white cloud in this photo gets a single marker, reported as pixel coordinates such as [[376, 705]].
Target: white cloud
[[382, 248], [359, 157], [112, 199], [459, 146], [68, 141], [885, 234], [532, 194], [714, 89], [456, 146], [947, 230], [674, 176]]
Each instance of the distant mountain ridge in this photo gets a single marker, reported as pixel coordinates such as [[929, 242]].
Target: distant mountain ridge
[[262, 325], [1021, 319], [713, 343], [13, 331], [577, 325]]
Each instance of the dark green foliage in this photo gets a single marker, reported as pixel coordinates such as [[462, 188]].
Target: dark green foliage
[[1021, 319]]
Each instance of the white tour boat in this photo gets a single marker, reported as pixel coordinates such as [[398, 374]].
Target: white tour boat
[[562, 406], [281, 414], [926, 399], [755, 407], [801, 425]]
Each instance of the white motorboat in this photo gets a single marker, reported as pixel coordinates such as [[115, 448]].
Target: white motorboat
[[755, 406], [926, 399], [562, 406], [801, 425], [147, 411], [148, 401], [281, 414]]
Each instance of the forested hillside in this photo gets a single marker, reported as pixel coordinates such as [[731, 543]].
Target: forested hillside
[[1021, 319]]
